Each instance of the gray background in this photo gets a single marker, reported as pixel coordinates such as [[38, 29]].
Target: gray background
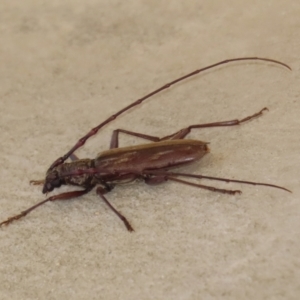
[[67, 65]]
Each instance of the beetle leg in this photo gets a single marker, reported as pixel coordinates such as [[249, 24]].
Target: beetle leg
[[157, 179], [181, 134], [63, 196], [100, 191], [114, 143], [206, 187], [161, 174]]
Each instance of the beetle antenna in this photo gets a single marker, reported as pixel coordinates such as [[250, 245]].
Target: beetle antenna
[[93, 131]]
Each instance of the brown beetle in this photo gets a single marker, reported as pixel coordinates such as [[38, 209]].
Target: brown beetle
[[150, 162]]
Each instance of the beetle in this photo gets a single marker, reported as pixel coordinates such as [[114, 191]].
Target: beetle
[[150, 162]]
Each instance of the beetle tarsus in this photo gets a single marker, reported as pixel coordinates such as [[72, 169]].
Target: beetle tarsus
[[14, 218]]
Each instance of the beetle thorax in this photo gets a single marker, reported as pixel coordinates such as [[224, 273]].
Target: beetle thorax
[[69, 173]]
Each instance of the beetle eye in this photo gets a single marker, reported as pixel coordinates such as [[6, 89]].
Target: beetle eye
[[56, 183]]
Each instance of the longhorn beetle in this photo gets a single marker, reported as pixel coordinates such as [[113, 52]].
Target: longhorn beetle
[[150, 162]]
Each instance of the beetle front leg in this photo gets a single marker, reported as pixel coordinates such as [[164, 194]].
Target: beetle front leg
[[63, 196]]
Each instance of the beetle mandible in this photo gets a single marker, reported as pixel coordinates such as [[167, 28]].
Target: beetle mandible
[[150, 162]]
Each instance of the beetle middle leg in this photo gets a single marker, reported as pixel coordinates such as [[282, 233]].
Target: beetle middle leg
[[101, 191], [63, 196]]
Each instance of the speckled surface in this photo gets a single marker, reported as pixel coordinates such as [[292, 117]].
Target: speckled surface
[[68, 65]]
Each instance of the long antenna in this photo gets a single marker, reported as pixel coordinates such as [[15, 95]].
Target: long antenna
[[92, 132]]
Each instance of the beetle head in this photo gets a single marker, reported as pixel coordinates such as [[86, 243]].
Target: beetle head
[[52, 181]]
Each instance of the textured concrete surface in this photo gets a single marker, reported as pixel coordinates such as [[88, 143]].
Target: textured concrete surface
[[67, 65]]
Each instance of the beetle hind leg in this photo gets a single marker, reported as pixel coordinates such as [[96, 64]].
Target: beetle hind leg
[[181, 134], [158, 179], [206, 187], [158, 176], [114, 142]]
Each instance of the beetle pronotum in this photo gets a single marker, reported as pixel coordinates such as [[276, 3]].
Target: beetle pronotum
[[150, 162]]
